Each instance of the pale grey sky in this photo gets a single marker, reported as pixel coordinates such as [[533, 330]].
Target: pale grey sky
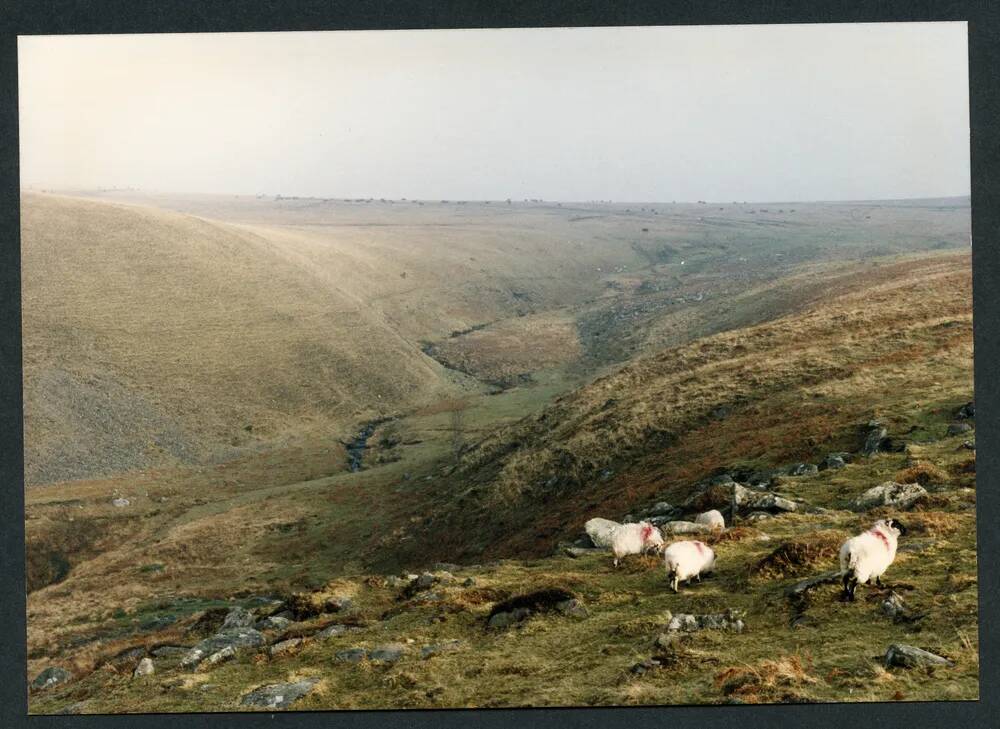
[[782, 112]]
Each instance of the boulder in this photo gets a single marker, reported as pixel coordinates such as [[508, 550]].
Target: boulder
[[351, 655], [331, 631], [731, 620], [803, 469], [434, 649], [51, 676], [284, 646], [238, 618], [275, 622], [959, 428], [232, 640], [219, 656], [684, 527], [279, 695], [145, 668], [499, 621], [389, 653], [896, 495], [771, 502], [907, 656], [834, 461]]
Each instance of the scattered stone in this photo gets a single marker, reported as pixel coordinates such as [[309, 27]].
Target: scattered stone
[[907, 656], [219, 656], [275, 622], [351, 655], [893, 605], [145, 668], [428, 596], [873, 434], [337, 604], [759, 516], [967, 411], [722, 478], [446, 567], [573, 608], [238, 618], [834, 461], [662, 508], [120, 502], [969, 445], [434, 649], [469, 582], [279, 695], [51, 676], [285, 646], [332, 631], [499, 621], [126, 660], [896, 495], [772, 502], [389, 653], [959, 428], [732, 620], [803, 469], [229, 639]]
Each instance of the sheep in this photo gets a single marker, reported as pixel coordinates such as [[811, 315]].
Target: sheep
[[868, 555], [599, 530], [634, 539], [687, 559], [711, 519]]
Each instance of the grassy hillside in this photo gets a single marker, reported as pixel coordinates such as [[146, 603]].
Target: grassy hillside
[[575, 368], [875, 340]]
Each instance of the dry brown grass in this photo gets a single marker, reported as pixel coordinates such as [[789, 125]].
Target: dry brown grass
[[938, 523], [800, 554], [732, 534], [922, 473], [768, 681]]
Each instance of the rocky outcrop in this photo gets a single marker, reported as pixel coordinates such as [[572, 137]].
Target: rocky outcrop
[[907, 656], [279, 695], [890, 493]]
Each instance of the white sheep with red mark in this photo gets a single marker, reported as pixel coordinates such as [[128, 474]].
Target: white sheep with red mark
[[600, 530], [712, 519], [634, 539], [867, 556], [687, 560]]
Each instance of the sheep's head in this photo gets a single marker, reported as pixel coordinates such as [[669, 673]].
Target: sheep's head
[[896, 527], [890, 526], [651, 536]]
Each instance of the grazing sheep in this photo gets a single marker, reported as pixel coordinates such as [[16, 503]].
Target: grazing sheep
[[634, 539], [600, 530], [712, 519], [868, 555], [686, 560]]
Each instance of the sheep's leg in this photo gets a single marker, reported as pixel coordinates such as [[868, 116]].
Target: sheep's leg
[[878, 581], [846, 594], [674, 583], [616, 561]]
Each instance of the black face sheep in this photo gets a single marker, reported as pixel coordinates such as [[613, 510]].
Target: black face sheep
[[867, 556], [634, 539], [687, 560]]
